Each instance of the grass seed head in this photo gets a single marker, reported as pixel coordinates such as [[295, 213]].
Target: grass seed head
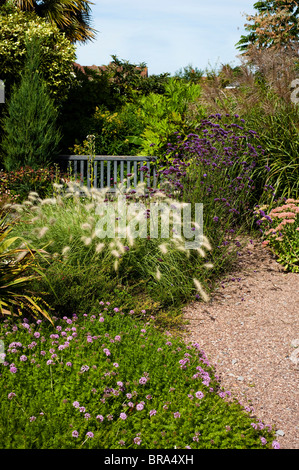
[[65, 250], [100, 247], [86, 240], [163, 248], [43, 231], [115, 253], [203, 294], [86, 226]]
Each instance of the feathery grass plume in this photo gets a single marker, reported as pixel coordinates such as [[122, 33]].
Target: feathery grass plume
[[140, 189], [158, 274], [48, 201], [116, 265], [33, 194], [60, 201], [86, 240], [52, 220], [42, 232], [85, 190], [120, 246], [129, 236], [18, 207], [94, 234], [160, 194], [31, 198], [94, 191], [208, 265], [100, 247], [35, 219], [89, 207], [86, 226], [206, 243], [65, 250], [201, 252], [181, 248], [115, 253], [177, 239], [163, 248], [203, 294]]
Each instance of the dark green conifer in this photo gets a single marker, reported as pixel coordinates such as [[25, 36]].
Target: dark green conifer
[[31, 136]]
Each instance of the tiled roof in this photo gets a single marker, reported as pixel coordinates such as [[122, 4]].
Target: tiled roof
[[144, 73]]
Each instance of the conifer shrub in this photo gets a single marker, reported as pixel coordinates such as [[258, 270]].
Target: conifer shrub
[[31, 136]]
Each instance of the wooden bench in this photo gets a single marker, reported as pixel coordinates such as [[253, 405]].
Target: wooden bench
[[108, 170]]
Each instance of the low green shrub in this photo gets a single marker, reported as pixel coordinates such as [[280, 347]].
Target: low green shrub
[[158, 265], [113, 132], [163, 115], [215, 166], [280, 227], [19, 183], [16, 268], [107, 381]]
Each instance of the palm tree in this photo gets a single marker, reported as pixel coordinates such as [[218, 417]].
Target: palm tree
[[71, 16]]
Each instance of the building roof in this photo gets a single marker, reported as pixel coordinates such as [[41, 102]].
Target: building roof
[[98, 68]]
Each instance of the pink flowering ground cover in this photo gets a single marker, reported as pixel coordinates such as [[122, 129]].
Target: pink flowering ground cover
[[281, 231], [109, 380]]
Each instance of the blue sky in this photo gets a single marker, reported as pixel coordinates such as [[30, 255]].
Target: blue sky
[[166, 34]]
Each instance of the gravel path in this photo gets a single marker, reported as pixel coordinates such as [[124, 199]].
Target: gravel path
[[250, 330]]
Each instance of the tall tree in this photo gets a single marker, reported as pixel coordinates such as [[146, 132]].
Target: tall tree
[[56, 52], [275, 25], [31, 136], [73, 17]]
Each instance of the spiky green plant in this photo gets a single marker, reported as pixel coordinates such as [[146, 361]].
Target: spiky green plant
[[16, 266]]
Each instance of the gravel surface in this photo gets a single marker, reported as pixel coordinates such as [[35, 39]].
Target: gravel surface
[[250, 331]]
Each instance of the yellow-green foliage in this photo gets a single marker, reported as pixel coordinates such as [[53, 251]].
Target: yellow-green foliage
[[162, 115], [57, 53]]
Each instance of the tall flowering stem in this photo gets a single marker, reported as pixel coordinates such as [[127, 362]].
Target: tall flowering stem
[[91, 156]]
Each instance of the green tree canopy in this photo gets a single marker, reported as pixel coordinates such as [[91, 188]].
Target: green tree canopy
[[275, 25], [72, 17], [57, 52]]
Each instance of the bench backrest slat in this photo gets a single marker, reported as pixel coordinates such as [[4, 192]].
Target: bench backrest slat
[[103, 172]]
